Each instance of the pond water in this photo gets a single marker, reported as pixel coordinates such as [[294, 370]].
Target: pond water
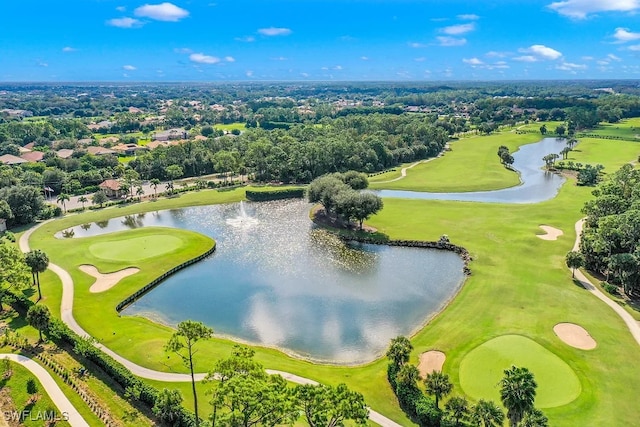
[[277, 280], [537, 185]]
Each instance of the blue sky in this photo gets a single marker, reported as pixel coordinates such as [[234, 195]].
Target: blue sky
[[232, 40]]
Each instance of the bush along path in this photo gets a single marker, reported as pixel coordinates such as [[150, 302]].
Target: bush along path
[[66, 313], [67, 410]]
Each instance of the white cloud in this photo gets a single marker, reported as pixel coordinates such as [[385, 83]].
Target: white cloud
[[468, 17], [623, 35], [569, 66], [494, 54], [128, 67], [230, 59], [588, 58], [43, 64], [121, 8], [580, 9], [305, 75], [541, 52], [201, 58], [69, 49], [417, 45], [501, 65], [526, 58], [273, 31], [456, 30], [364, 58], [337, 67], [601, 62], [168, 12], [451, 41], [279, 58], [124, 22], [635, 48], [183, 50], [472, 61], [612, 57], [247, 39], [249, 73], [420, 59]]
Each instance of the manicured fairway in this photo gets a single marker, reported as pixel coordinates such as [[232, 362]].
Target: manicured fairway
[[135, 249], [483, 367]]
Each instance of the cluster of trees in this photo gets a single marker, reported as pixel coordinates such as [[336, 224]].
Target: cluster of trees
[[505, 156], [242, 394], [341, 197], [610, 241], [517, 393]]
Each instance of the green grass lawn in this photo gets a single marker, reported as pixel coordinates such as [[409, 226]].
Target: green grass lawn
[[519, 286], [16, 386], [471, 165], [127, 248], [627, 128], [483, 368], [231, 126]]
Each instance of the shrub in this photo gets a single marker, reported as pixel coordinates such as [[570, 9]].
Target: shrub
[[609, 288], [261, 196]]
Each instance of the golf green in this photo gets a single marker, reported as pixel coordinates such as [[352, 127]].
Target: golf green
[[483, 367], [135, 249]]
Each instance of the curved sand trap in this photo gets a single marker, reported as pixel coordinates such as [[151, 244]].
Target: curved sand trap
[[552, 233], [431, 361], [574, 335], [106, 281]]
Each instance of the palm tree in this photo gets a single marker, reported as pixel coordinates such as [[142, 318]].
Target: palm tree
[[487, 414], [169, 187], [458, 409], [399, 351], [154, 183], [139, 191], [517, 392], [438, 385], [63, 198], [38, 261], [408, 376], [535, 418], [83, 200], [39, 317]]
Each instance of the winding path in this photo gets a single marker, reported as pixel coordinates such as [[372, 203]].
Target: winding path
[[50, 386], [632, 324], [403, 171], [66, 313]]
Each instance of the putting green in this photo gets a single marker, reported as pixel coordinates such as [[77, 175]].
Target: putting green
[[136, 248], [483, 367]]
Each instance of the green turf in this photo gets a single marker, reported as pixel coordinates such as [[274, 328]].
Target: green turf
[[133, 249], [471, 165], [231, 126], [483, 367]]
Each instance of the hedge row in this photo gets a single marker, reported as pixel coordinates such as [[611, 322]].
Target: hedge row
[[261, 196], [155, 282]]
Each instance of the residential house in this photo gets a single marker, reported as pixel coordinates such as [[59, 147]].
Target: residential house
[[170, 134], [99, 151], [111, 187], [105, 124], [32, 156], [128, 149], [64, 153], [9, 159]]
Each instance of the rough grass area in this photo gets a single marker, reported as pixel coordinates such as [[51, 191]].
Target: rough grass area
[[118, 247], [483, 368], [231, 126]]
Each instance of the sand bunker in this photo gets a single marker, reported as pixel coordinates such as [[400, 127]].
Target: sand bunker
[[431, 361], [552, 233], [106, 281], [574, 335]]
